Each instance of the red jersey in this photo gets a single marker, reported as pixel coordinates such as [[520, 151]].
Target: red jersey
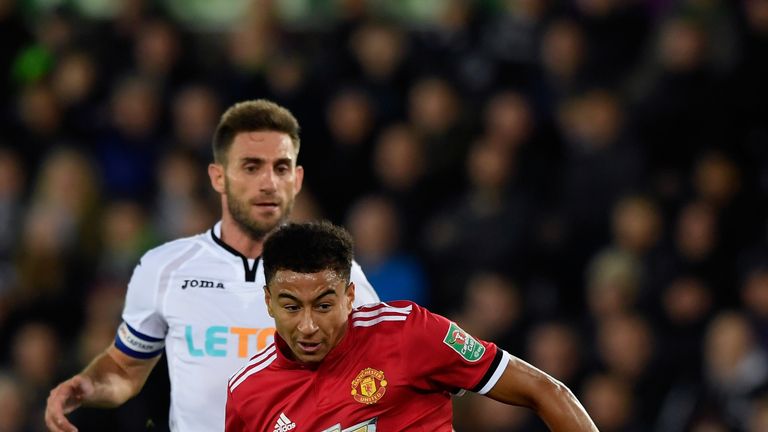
[[395, 369]]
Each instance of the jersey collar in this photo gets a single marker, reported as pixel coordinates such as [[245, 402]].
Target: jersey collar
[[250, 270]]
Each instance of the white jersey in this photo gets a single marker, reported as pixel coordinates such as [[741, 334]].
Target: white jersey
[[204, 302]]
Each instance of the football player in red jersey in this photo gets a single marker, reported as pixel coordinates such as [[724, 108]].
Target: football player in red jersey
[[387, 366]]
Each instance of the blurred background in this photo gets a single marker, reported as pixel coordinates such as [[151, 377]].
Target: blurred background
[[583, 182]]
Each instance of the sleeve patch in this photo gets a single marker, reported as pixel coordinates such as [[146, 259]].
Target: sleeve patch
[[138, 345], [463, 343]]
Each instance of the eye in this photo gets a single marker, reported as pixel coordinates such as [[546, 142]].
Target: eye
[[324, 307], [291, 308], [283, 169], [250, 168]]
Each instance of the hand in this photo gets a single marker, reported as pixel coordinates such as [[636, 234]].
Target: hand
[[65, 398]]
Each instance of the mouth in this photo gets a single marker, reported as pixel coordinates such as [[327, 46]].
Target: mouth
[[309, 347], [267, 205]]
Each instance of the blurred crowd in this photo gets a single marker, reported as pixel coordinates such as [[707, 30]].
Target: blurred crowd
[[583, 182]]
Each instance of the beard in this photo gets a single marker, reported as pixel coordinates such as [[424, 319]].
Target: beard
[[256, 229]]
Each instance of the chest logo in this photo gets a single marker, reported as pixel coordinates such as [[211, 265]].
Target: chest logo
[[369, 386], [201, 283]]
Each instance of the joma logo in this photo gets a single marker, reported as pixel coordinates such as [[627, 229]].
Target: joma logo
[[199, 283]]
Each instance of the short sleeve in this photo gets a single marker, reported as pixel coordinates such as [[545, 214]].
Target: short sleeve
[[444, 356], [364, 292], [142, 333]]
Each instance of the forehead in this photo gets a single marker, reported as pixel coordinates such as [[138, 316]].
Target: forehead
[[304, 284], [262, 145]]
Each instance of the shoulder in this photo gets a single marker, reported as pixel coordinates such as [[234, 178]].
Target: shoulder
[[255, 366], [384, 314], [171, 251]]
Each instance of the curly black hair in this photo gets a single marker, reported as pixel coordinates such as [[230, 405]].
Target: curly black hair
[[308, 248]]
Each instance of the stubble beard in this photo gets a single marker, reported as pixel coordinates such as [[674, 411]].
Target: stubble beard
[[240, 212]]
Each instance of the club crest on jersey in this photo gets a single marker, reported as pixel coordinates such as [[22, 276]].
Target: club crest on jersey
[[369, 386], [463, 343]]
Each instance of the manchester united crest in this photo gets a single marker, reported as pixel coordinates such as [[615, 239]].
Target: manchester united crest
[[369, 386]]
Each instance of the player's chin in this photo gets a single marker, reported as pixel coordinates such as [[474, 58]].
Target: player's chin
[[266, 221], [310, 354]]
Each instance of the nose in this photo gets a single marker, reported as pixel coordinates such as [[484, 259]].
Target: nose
[[268, 181], [307, 325]]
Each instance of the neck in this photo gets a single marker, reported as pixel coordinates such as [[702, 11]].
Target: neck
[[233, 235]]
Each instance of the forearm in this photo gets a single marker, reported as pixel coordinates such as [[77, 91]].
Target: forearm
[[115, 378], [524, 385], [561, 411]]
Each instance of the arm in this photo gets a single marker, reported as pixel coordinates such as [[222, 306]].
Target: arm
[[111, 379], [524, 385]]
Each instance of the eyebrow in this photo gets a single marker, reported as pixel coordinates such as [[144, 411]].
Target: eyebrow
[[249, 159], [328, 292]]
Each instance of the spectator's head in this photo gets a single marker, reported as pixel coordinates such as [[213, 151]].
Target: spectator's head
[[379, 49], [717, 179], [135, 107], [39, 111], [508, 118], [682, 45], [351, 117], [696, 234], [625, 344], [399, 159], [754, 293], [563, 49], [758, 419], [12, 175], [756, 12], [594, 120], [687, 301], [733, 361], [179, 175], [636, 225], [157, 48], [609, 401], [613, 282], [75, 78], [35, 354], [68, 182], [554, 348], [13, 402], [286, 74], [433, 108], [375, 226], [306, 208], [492, 305], [490, 166], [195, 110]]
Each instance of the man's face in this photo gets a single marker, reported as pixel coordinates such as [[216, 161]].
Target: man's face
[[259, 181], [310, 311]]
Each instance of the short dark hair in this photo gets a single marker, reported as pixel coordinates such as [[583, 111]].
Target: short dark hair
[[308, 248], [252, 116]]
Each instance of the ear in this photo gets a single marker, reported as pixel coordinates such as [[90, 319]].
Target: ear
[[216, 173], [350, 294], [299, 178], [268, 301]]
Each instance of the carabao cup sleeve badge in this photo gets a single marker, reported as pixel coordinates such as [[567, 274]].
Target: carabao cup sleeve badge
[[369, 386], [463, 343]]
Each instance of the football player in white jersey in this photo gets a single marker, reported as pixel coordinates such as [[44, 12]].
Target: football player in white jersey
[[199, 298]]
